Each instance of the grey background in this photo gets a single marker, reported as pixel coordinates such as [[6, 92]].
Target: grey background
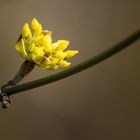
[[101, 103]]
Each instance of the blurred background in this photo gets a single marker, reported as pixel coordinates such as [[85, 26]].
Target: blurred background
[[100, 103]]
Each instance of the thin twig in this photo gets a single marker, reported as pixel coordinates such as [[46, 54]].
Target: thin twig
[[75, 69]]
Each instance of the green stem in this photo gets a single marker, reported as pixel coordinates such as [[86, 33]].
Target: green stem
[[75, 69]]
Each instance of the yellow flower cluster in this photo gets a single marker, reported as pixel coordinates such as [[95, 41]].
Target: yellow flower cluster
[[39, 48]]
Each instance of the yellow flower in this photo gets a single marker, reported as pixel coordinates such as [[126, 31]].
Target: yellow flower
[[39, 48]]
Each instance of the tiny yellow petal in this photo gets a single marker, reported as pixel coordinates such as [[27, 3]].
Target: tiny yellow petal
[[63, 44], [60, 54], [38, 29], [38, 51], [36, 58], [49, 38], [49, 63], [36, 26], [26, 32], [35, 23], [20, 47], [48, 50], [31, 47], [71, 53], [64, 64], [49, 33], [54, 46], [45, 40], [52, 67]]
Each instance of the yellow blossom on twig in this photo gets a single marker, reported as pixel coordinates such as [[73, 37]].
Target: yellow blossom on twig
[[39, 48]]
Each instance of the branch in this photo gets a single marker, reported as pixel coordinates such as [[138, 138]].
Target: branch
[[75, 69]]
